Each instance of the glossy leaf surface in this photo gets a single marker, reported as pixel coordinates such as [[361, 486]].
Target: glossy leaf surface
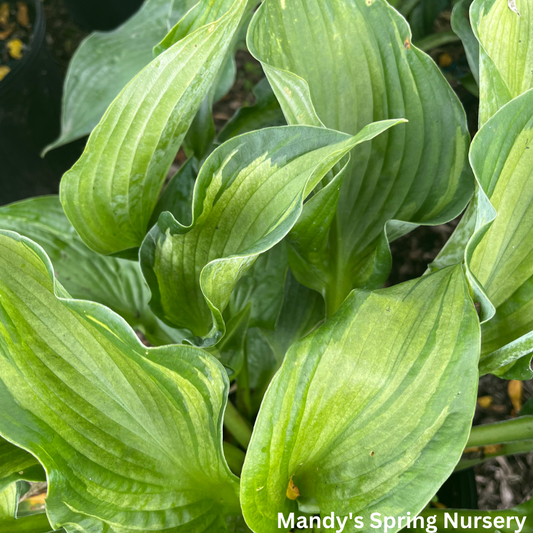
[[363, 408], [248, 195], [131, 437], [345, 64], [110, 193]]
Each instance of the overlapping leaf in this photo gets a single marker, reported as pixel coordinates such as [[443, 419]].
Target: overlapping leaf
[[363, 408], [460, 21], [498, 260], [111, 192], [199, 138], [107, 61], [131, 438], [262, 287], [86, 275], [265, 113], [17, 464], [499, 255], [248, 195], [490, 20], [37, 523], [505, 60], [345, 64]]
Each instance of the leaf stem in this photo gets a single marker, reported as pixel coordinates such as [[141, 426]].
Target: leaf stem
[[237, 425], [244, 399], [234, 457], [510, 448], [500, 432]]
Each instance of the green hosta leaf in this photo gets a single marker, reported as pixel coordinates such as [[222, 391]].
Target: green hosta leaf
[[8, 511], [8, 502], [17, 464], [199, 139], [265, 113], [344, 64], [86, 275], [302, 310], [111, 192], [461, 26], [106, 61], [363, 408], [204, 12], [131, 437], [499, 255], [262, 286], [248, 195], [177, 196], [506, 65], [262, 364], [506, 71], [230, 351]]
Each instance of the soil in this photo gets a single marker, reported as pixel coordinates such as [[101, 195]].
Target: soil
[[63, 36], [249, 73], [505, 481], [501, 483]]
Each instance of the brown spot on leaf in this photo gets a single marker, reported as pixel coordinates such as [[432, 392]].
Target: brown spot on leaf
[[407, 44]]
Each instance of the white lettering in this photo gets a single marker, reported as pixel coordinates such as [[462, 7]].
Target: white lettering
[[288, 524], [448, 518], [499, 522], [342, 523], [358, 522], [302, 523], [521, 524], [431, 527], [329, 521], [389, 522], [376, 522], [415, 522]]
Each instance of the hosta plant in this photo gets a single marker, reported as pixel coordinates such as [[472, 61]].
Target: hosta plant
[[216, 351]]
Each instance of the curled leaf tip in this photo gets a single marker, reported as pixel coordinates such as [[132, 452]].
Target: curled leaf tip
[[292, 490]]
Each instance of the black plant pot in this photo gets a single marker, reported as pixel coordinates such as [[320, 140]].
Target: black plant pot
[[103, 15], [30, 112]]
